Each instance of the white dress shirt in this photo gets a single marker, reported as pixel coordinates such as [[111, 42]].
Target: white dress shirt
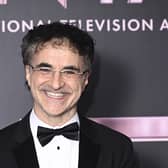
[[59, 152]]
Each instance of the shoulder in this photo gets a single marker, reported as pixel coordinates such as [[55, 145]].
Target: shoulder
[[104, 135], [15, 133], [112, 143], [7, 137], [7, 132], [20, 125]]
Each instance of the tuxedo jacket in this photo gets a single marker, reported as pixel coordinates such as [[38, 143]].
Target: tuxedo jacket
[[99, 147]]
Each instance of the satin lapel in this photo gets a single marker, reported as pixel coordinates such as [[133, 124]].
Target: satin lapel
[[25, 155], [24, 151], [88, 150]]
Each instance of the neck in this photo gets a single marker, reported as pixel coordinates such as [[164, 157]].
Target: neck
[[55, 120]]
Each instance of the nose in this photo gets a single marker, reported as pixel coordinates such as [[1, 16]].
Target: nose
[[56, 80]]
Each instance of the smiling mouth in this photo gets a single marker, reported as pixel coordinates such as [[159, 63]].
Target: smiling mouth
[[55, 95]]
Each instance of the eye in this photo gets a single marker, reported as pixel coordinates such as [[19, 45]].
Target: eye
[[69, 72], [44, 69]]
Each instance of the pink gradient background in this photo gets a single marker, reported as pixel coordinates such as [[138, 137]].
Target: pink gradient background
[[139, 129], [128, 1], [3, 2], [63, 3]]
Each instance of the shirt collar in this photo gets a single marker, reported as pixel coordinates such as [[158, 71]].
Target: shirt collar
[[35, 122]]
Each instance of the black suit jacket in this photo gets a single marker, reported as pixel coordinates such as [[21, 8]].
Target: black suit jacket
[[99, 147]]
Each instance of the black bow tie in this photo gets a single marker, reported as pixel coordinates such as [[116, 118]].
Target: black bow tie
[[45, 135]]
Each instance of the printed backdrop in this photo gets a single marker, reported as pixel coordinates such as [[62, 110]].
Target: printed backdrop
[[128, 87]]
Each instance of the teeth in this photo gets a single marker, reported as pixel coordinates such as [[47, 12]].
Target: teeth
[[55, 95]]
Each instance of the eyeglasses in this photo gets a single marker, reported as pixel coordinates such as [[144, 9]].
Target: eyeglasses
[[66, 73]]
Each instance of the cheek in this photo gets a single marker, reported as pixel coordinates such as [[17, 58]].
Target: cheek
[[80, 87], [35, 82]]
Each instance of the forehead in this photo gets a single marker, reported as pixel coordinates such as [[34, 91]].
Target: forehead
[[58, 55]]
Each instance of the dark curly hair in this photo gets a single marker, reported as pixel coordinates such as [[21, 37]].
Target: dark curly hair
[[58, 33]]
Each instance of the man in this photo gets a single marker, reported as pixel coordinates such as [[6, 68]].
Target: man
[[57, 60]]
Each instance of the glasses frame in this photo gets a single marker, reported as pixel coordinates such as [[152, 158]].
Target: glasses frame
[[63, 71]]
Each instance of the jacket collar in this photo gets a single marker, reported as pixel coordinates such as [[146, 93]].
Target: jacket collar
[[25, 154], [24, 150], [88, 148]]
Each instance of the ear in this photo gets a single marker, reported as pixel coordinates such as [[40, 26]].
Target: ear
[[86, 80], [27, 74]]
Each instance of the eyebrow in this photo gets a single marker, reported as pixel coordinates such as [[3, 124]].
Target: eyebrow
[[43, 64], [68, 67], [71, 67]]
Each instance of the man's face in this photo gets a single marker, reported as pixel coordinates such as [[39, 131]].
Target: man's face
[[56, 94]]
